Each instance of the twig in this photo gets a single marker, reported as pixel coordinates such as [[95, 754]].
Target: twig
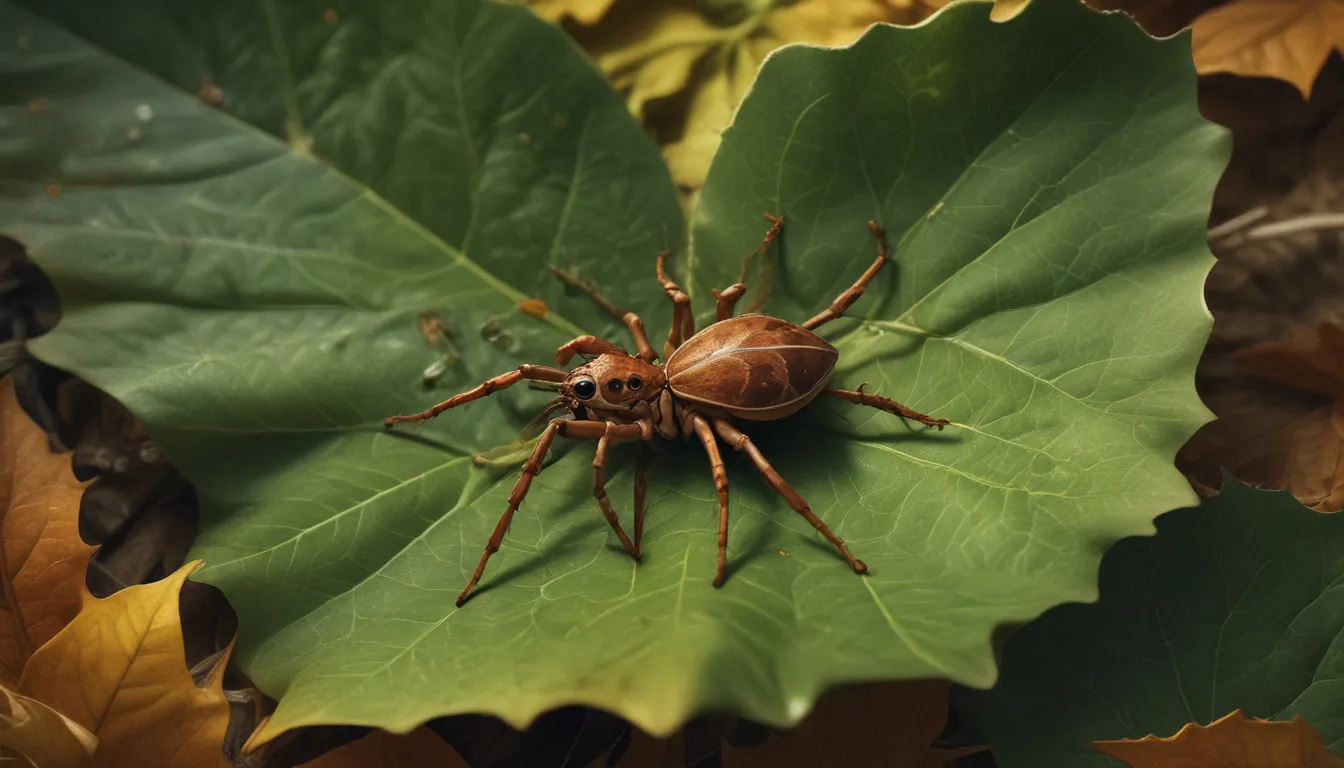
[[1234, 236], [1238, 223]]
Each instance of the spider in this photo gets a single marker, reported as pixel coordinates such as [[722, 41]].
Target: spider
[[751, 367]]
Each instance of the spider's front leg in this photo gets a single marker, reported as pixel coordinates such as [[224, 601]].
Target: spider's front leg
[[585, 345], [631, 321], [600, 489], [580, 430], [502, 381]]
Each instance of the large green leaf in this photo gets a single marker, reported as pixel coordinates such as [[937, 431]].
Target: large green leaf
[[254, 301], [1235, 604]]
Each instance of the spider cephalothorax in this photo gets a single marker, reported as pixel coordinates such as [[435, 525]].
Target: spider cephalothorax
[[613, 383], [752, 367]]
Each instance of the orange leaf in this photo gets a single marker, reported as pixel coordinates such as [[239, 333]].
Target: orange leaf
[[42, 559], [120, 671], [41, 734], [1286, 39], [886, 724], [1230, 742], [381, 749]]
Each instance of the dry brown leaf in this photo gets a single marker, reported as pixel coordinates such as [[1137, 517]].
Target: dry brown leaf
[[381, 749], [886, 724], [1286, 39], [119, 671], [1274, 437], [1308, 360], [1230, 742], [42, 559], [44, 736], [582, 11]]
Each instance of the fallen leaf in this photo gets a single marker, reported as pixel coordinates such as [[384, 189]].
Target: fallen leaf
[[1305, 360], [119, 670], [42, 559], [380, 749], [1286, 39], [885, 724], [1232, 741], [1268, 437], [582, 11], [44, 736]]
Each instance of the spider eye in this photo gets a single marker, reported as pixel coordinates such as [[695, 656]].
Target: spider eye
[[585, 388], [614, 385], [634, 382]]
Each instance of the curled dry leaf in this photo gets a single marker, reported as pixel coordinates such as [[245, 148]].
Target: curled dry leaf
[[380, 749], [119, 671], [42, 559], [43, 736], [1232, 741], [884, 724], [1288, 433], [1286, 39]]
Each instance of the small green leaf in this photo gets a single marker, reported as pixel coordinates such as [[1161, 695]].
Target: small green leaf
[[1234, 604], [249, 282]]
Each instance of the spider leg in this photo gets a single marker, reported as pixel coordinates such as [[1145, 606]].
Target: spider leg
[[642, 465], [632, 321], [600, 491], [845, 300], [727, 299], [725, 312], [741, 442], [580, 430], [706, 436], [859, 397], [683, 323], [586, 345], [502, 381]]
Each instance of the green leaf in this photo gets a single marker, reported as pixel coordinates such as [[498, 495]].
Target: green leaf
[[254, 299], [1234, 604]]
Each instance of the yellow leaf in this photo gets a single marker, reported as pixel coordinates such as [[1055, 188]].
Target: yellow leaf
[[710, 110], [119, 670], [42, 559], [1230, 742], [41, 734], [381, 749], [649, 52], [582, 11], [884, 724], [1003, 10], [1286, 39]]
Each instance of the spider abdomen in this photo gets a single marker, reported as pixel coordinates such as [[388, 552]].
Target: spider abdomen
[[754, 367]]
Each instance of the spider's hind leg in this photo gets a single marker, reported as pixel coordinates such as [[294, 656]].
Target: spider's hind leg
[[859, 397], [845, 300], [741, 442]]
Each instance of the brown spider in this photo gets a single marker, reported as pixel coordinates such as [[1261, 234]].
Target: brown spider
[[752, 367]]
